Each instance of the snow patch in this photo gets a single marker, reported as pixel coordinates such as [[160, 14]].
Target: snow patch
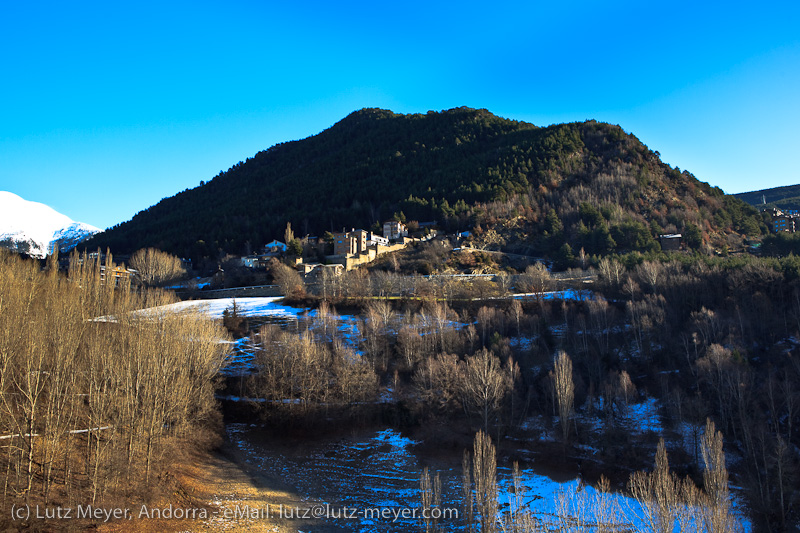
[[215, 308]]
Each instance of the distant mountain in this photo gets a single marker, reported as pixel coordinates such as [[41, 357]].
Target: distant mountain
[[589, 184], [787, 197], [36, 229]]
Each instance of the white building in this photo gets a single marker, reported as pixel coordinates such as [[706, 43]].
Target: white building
[[377, 239], [393, 230]]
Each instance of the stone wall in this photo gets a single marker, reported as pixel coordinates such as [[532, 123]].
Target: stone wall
[[236, 292]]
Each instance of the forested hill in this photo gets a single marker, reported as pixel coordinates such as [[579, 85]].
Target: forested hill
[[787, 197], [588, 184]]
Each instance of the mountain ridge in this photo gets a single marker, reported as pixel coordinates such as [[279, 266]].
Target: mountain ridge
[[462, 167], [35, 228], [784, 197]]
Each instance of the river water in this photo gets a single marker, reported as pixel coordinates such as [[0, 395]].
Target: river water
[[375, 475]]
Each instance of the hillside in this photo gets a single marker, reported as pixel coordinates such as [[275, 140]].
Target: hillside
[[588, 184], [787, 197]]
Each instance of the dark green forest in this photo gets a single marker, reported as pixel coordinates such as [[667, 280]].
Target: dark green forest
[[584, 185]]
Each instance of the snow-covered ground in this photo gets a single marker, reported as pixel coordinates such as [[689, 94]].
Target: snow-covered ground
[[347, 326], [215, 308], [240, 358], [523, 343]]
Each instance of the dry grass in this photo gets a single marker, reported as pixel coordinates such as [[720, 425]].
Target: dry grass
[[220, 483]]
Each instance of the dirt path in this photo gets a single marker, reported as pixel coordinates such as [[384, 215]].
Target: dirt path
[[222, 492]]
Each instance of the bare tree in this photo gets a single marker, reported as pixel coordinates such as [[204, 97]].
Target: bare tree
[[92, 393], [484, 467], [651, 272], [536, 279], [287, 278], [408, 342], [663, 499], [485, 384], [601, 319], [564, 388], [431, 495], [354, 377], [486, 317], [717, 368], [288, 234], [717, 515], [517, 314], [467, 501], [619, 390], [156, 267], [503, 281], [439, 381], [611, 271]]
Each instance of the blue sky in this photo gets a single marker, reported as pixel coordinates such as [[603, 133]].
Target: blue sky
[[108, 107]]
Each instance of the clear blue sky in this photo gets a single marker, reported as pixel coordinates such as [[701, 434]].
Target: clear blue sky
[[108, 107]]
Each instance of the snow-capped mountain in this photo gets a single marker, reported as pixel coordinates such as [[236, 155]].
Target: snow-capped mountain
[[35, 229]]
